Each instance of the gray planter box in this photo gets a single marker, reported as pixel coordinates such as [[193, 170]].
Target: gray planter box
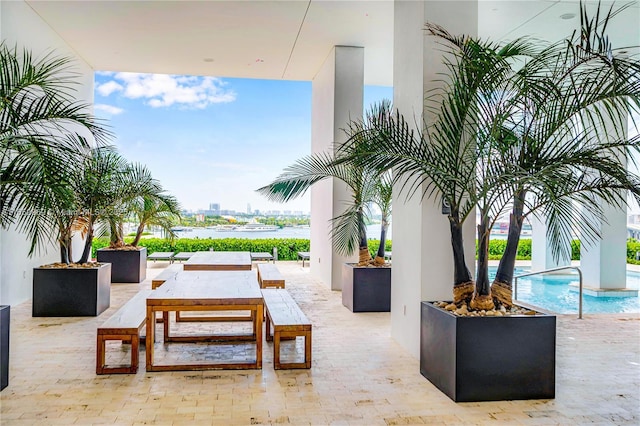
[[488, 358], [127, 266], [5, 317], [71, 292], [366, 289]]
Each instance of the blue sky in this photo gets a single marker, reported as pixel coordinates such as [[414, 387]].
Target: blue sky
[[211, 140]]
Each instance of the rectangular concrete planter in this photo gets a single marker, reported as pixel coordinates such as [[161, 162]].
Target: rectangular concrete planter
[[5, 321], [127, 266], [488, 358], [71, 292], [366, 289]]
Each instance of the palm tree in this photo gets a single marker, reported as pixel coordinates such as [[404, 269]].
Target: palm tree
[[515, 129], [44, 135], [559, 104], [349, 229], [383, 197], [155, 210]]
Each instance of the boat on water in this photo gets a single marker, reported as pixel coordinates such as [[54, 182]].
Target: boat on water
[[256, 227], [224, 228], [181, 229]]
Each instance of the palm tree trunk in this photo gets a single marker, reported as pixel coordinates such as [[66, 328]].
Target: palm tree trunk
[[364, 256], [87, 245], [463, 285], [114, 238], [64, 252], [482, 297], [139, 232], [501, 287], [379, 260]]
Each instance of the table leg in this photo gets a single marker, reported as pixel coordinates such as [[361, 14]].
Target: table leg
[[165, 320], [151, 331], [258, 325]]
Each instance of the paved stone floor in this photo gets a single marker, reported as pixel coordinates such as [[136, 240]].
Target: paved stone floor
[[359, 376]]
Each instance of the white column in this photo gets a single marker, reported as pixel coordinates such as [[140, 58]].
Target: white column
[[604, 263], [541, 255], [22, 27], [422, 254], [337, 97]]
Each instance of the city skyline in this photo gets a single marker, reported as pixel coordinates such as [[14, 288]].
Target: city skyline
[[208, 138]]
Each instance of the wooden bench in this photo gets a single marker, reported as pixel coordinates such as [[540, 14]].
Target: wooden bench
[[161, 255], [183, 255], [304, 255], [169, 272], [287, 320], [262, 256], [124, 325], [269, 276]]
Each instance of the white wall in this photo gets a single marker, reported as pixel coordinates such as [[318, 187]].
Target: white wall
[[22, 27], [337, 97], [422, 254]]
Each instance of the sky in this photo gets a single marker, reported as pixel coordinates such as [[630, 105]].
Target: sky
[[212, 140]]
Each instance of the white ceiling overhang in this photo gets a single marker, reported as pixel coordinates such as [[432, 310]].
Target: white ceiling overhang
[[276, 39]]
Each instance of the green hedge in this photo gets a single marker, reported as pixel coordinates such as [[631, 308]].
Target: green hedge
[[219, 244], [496, 247]]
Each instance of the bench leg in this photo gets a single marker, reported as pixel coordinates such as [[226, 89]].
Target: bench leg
[[135, 353], [276, 350], [100, 354], [307, 349], [278, 336], [133, 339]]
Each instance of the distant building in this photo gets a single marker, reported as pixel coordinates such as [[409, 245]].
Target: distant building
[[215, 209], [248, 208], [200, 217]]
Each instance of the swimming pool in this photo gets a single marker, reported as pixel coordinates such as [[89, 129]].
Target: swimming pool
[[552, 292]]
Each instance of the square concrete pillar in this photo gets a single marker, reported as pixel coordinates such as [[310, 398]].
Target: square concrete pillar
[[337, 98], [422, 254]]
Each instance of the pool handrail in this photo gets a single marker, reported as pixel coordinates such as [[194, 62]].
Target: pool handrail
[[561, 268]]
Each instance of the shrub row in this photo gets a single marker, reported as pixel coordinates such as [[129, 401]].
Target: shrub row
[[497, 247], [288, 248]]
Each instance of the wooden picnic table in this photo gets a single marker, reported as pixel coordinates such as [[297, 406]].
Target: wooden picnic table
[[206, 291], [219, 261]]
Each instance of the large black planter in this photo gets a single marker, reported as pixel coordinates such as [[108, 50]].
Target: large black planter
[[366, 289], [488, 358], [4, 346], [71, 292], [127, 266]]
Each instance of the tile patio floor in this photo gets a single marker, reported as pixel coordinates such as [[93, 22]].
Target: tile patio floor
[[360, 376]]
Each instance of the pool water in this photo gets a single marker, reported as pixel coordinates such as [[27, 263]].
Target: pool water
[[552, 292]]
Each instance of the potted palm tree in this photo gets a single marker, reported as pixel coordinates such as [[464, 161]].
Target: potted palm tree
[[80, 288], [44, 138], [515, 130], [366, 286], [142, 196]]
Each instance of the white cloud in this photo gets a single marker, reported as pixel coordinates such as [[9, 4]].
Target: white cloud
[[161, 90], [109, 109], [108, 88]]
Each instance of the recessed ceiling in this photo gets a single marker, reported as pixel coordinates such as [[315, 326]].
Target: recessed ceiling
[[275, 39]]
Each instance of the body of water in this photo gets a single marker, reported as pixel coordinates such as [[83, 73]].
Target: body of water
[[554, 292], [373, 232]]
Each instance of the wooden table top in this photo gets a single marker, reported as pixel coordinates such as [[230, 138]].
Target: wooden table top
[[219, 261], [208, 288]]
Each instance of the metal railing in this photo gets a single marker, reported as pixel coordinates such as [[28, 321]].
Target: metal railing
[[562, 268]]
